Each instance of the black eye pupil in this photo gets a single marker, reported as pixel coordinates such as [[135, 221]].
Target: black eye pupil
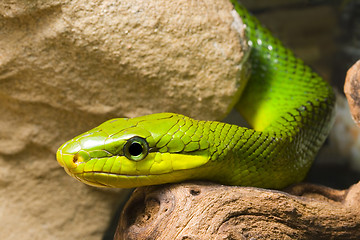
[[135, 149]]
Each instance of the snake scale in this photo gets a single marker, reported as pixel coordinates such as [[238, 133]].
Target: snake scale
[[288, 106]]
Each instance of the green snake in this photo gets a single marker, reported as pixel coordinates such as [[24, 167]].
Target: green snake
[[288, 106]]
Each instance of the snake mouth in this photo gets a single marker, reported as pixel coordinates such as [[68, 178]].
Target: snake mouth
[[80, 178], [119, 171], [103, 179], [117, 180]]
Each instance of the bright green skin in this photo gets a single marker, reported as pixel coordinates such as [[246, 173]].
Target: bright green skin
[[288, 105]]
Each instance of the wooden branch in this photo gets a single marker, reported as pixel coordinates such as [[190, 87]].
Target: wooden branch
[[352, 91], [211, 211]]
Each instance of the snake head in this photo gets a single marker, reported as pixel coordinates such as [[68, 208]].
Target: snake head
[[125, 153]]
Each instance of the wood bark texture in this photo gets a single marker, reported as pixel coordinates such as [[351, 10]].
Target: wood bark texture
[[211, 211], [352, 91]]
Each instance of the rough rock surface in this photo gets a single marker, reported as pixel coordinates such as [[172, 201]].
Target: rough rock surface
[[67, 66], [108, 57], [211, 211]]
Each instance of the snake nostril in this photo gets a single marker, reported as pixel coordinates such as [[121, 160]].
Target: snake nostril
[[195, 192], [75, 158]]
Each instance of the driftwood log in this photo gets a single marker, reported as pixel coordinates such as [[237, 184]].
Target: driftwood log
[[211, 211], [352, 91]]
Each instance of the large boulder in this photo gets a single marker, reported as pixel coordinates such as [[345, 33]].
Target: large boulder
[[67, 66]]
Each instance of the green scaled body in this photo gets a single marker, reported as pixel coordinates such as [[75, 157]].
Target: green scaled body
[[287, 104]]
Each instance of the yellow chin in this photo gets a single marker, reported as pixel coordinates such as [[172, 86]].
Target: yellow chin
[[123, 181]]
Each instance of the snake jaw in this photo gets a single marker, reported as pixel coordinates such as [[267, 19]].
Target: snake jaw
[[108, 170], [118, 171]]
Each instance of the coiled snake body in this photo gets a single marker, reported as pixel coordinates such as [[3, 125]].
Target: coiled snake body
[[287, 104]]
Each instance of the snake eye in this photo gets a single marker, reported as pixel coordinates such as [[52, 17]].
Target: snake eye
[[136, 149]]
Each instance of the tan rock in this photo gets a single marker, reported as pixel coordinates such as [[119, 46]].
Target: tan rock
[[126, 58], [67, 66], [211, 211]]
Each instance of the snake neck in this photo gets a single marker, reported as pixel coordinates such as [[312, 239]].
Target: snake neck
[[281, 86], [289, 107]]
